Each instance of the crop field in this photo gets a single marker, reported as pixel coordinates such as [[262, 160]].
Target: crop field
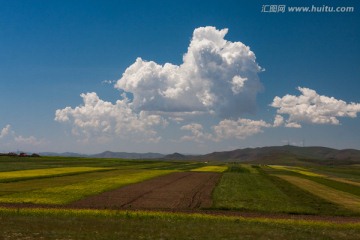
[[47, 172], [84, 198], [210, 169], [69, 193]]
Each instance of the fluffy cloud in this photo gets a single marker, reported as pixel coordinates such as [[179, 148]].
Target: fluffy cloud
[[28, 140], [310, 107], [226, 129], [11, 138], [239, 129], [198, 134], [278, 121], [99, 118], [5, 131], [216, 76]]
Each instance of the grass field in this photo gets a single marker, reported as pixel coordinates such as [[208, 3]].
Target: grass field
[[300, 170], [338, 197], [261, 192], [210, 169], [266, 190], [47, 172], [72, 192], [104, 224]]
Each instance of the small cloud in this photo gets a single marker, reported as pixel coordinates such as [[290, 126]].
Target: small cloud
[[5, 131], [278, 121], [97, 118], [226, 129], [239, 129], [9, 137], [28, 140], [292, 125], [310, 107], [198, 135]]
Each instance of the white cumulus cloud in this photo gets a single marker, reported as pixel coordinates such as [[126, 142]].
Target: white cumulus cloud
[[9, 137], [28, 140], [217, 78], [278, 121], [240, 129], [99, 118], [226, 129], [197, 133], [310, 107], [5, 131], [216, 75]]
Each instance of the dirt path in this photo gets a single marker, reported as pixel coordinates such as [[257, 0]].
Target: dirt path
[[182, 190]]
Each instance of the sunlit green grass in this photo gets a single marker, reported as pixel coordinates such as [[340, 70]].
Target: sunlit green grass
[[328, 180], [265, 193], [38, 183], [338, 184], [247, 191], [242, 168], [104, 224], [72, 192], [344, 199], [351, 172], [40, 173], [210, 169], [18, 163], [297, 170]]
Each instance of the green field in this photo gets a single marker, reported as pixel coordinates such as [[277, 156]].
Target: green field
[[243, 188], [210, 169], [72, 192], [47, 172], [104, 224], [252, 191]]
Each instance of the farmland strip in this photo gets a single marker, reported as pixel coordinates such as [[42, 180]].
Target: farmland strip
[[73, 192], [210, 169], [344, 181], [48, 172], [346, 200], [180, 190], [252, 191]]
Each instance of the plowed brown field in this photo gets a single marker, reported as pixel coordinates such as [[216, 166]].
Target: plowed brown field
[[181, 190]]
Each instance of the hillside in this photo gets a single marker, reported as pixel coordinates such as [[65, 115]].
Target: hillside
[[108, 154], [288, 155], [127, 155]]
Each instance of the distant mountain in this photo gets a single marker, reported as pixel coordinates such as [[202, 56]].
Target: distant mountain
[[287, 155], [175, 156], [64, 154], [107, 154], [127, 155]]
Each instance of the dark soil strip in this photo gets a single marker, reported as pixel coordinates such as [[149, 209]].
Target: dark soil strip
[[182, 190]]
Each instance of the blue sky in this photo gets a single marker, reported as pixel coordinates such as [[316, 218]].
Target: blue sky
[[51, 52]]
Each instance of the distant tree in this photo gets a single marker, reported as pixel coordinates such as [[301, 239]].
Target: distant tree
[[35, 155]]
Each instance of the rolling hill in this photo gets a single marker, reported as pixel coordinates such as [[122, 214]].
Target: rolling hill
[[288, 155]]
